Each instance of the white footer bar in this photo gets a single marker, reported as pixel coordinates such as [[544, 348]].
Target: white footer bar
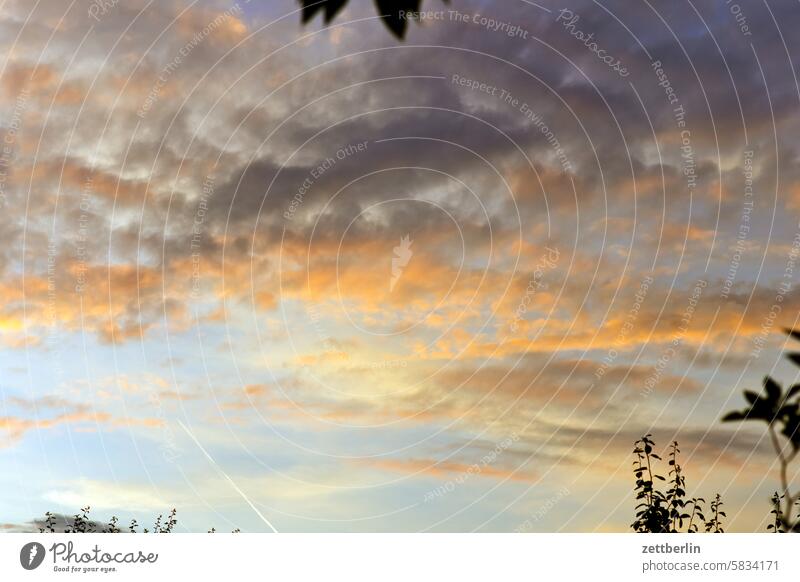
[[400, 557]]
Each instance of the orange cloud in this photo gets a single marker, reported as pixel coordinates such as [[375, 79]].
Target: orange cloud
[[15, 427], [444, 469]]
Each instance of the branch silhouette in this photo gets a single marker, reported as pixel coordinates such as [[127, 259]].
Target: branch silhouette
[[781, 412]]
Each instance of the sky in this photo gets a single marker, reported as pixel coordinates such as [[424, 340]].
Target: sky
[[315, 278]]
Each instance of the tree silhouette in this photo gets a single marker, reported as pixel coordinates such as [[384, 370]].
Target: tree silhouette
[[781, 411], [394, 13], [668, 512]]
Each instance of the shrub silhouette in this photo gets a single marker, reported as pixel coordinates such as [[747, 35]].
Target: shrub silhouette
[[390, 11], [81, 523], [668, 511], [781, 411]]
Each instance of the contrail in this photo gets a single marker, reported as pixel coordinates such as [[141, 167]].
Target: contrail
[[224, 474]]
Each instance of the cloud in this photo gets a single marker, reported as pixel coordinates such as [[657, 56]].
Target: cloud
[[443, 470], [50, 412], [106, 496]]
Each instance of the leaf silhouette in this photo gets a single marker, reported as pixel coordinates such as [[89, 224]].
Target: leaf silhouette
[[733, 416], [331, 8], [791, 430], [773, 389], [792, 333], [394, 13]]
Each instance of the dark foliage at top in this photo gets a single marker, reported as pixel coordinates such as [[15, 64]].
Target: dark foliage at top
[[780, 410], [392, 12]]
